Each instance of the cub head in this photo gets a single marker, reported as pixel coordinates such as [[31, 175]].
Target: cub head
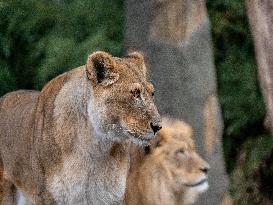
[[122, 99], [174, 149]]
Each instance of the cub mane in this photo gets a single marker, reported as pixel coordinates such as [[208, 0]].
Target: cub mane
[[158, 176]]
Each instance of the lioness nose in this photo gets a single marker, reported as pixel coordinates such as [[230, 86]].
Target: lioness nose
[[204, 169], [155, 127]]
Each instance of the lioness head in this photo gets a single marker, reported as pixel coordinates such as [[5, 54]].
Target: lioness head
[[175, 150], [122, 101]]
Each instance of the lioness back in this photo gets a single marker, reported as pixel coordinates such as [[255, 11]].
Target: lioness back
[[11, 111], [17, 112]]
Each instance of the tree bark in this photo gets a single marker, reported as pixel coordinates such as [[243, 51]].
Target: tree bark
[[260, 16], [175, 37]]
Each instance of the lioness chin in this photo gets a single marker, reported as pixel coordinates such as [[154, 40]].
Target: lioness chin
[[169, 171], [69, 143]]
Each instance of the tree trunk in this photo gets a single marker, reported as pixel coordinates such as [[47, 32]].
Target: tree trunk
[[175, 37], [260, 15]]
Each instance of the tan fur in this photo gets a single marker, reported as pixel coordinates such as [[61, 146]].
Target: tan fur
[[69, 143], [165, 175]]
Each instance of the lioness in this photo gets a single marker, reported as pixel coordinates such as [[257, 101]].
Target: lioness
[[170, 171], [69, 143]]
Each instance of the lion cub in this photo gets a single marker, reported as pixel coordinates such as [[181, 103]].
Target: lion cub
[[69, 144], [169, 172]]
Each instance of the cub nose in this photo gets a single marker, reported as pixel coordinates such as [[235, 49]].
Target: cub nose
[[155, 127]]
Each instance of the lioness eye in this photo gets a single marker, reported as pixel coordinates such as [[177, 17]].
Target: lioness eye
[[181, 151], [136, 93]]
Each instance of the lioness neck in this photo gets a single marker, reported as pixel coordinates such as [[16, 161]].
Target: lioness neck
[[71, 120], [90, 168], [71, 116]]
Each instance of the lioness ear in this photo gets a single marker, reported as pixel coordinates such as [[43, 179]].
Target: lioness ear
[[138, 59], [101, 68]]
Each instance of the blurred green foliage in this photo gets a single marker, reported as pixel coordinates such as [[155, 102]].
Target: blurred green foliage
[[40, 39], [239, 92], [246, 180], [246, 143]]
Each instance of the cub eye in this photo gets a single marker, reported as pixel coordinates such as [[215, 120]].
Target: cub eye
[[136, 93], [153, 93], [158, 144]]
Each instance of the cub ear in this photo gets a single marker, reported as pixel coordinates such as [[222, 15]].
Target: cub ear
[[159, 140], [101, 68], [138, 59]]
